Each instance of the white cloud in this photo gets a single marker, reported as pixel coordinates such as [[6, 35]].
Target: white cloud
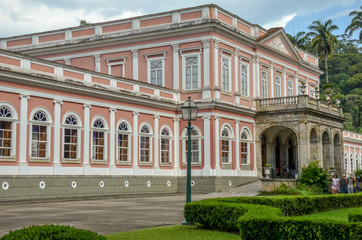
[[280, 22], [342, 13]]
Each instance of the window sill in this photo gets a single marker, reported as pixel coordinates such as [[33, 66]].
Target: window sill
[[7, 159], [166, 164], [39, 160], [191, 91], [226, 166], [192, 164], [245, 98], [64, 160], [124, 163], [226, 93], [100, 162], [145, 163]]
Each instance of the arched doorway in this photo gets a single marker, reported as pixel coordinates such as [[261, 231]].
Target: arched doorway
[[337, 153], [313, 140], [326, 150]]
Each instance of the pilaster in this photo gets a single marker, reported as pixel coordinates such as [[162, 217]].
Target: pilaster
[[176, 74], [135, 63], [176, 128], [156, 137], [207, 148], [135, 140]]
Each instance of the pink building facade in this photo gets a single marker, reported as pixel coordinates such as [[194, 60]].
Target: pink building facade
[[102, 102]]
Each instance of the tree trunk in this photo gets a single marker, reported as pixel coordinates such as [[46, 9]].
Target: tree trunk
[[326, 67]]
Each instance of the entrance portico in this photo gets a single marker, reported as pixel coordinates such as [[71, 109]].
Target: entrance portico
[[291, 131]]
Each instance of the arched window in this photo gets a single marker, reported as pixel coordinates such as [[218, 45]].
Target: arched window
[[226, 145], [290, 87], [244, 146], [165, 139], [195, 146], [351, 161], [6, 132], [40, 135], [99, 139], [145, 144], [124, 143], [71, 138]]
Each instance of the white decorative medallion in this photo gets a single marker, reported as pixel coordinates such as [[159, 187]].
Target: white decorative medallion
[[278, 44]]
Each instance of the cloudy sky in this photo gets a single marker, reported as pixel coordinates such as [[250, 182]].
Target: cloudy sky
[[19, 17]]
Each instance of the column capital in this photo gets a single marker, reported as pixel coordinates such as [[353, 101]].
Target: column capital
[[21, 96], [113, 110], [87, 106], [175, 48], [177, 119], [206, 118], [216, 117], [156, 116], [256, 58], [237, 121], [236, 51], [216, 43], [206, 43], [57, 101], [134, 53], [67, 61], [96, 55], [135, 113]]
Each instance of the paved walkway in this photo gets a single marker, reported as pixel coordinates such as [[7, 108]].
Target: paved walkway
[[104, 216]]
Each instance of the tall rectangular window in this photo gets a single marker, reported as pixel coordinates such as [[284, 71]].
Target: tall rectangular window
[[156, 73], [98, 145], [290, 87], [244, 81], [264, 84], [244, 152], [191, 73], [5, 139], [278, 87], [70, 143], [225, 74]]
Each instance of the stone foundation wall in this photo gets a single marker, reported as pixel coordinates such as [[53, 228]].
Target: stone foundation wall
[[21, 188], [269, 185]]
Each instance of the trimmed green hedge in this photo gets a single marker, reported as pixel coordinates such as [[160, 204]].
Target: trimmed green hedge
[[354, 217], [265, 217], [52, 232]]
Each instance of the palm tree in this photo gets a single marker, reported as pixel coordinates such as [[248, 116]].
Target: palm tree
[[356, 23], [323, 39], [298, 39]]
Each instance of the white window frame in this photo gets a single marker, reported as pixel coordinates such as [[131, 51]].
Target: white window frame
[[105, 131], [278, 86], [290, 84], [79, 136], [356, 157], [129, 146], [247, 141], [229, 72], [187, 55], [169, 138], [13, 120], [150, 136], [351, 159], [264, 84], [48, 125], [184, 150], [312, 91], [247, 66], [156, 59], [115, 62], [346, 161], [229, 141]]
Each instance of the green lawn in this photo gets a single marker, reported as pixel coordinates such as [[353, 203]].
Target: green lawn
[[177, 232], [335, 215]]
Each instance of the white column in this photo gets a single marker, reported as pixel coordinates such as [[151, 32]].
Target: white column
[[236, 70], [256, 79], [135, 139], [207, 148], [272, 84], [217, 143], [112, 137], [216, 63], [307, 86], [97, 63], [86, 143], [237, 144], [57, 135], [67, 61], [206, 91], [23, 128], [135, 64], [176, 74], [176, 130], [297, 85], [285, 82], [156, 119]]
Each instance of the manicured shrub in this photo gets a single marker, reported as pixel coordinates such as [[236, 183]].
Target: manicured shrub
[[282, 189], [52, 232], [354, 217], [313, 175]]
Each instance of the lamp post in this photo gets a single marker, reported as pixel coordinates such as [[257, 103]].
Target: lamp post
[[189, 113]]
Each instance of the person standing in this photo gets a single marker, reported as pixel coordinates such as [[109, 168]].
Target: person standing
[[343, 184], [350, 183], [335, 184]]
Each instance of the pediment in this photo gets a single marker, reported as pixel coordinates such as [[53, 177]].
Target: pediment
[[278, 40]]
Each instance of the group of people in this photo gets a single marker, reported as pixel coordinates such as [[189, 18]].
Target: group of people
[[344, 185]]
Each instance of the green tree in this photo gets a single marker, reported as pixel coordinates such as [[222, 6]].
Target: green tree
[[323, 39], [355, 24]]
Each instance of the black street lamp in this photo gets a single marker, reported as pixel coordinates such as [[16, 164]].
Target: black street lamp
[[189, 113]]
